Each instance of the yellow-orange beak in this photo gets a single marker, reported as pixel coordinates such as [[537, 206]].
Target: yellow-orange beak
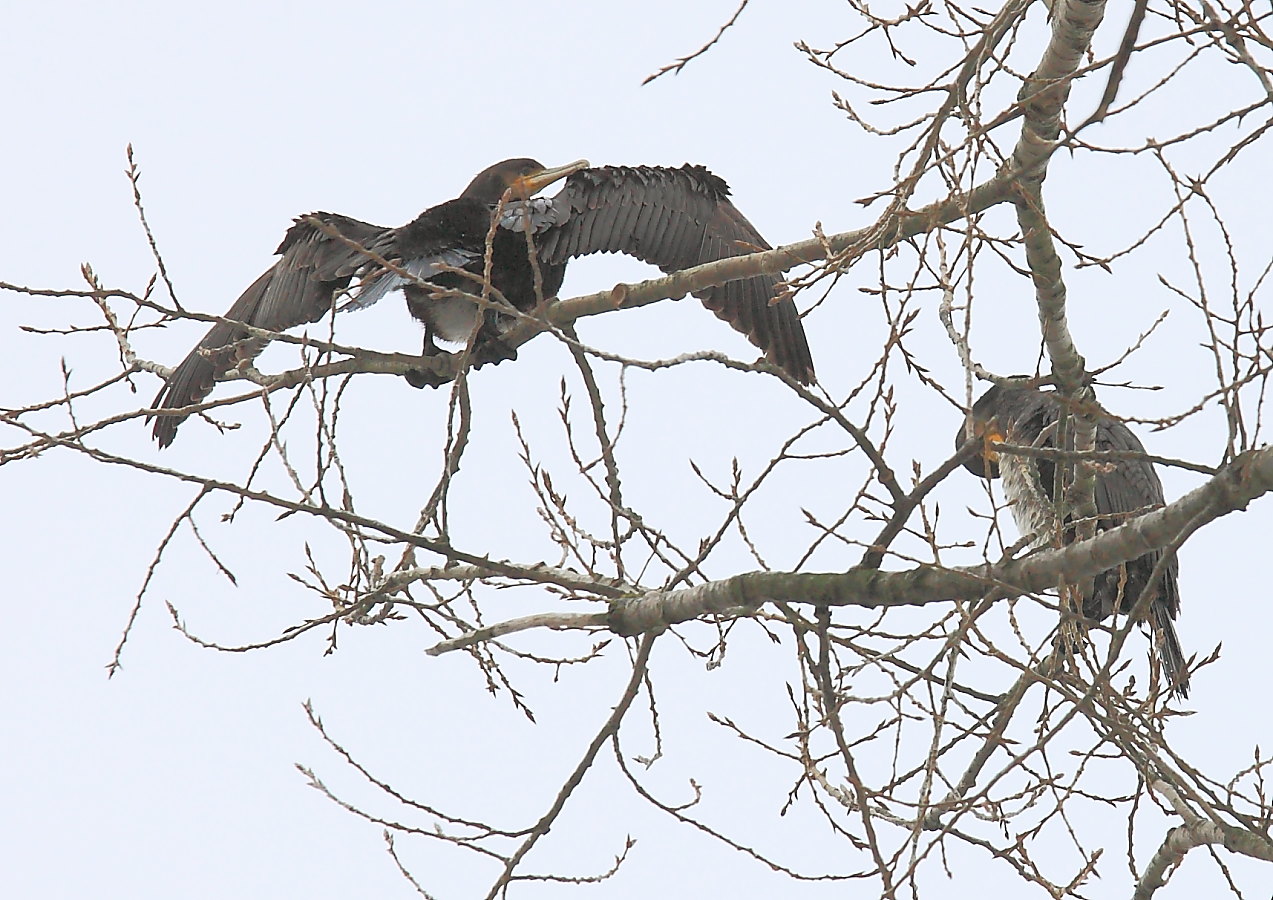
[[991, 435], [527, 186]]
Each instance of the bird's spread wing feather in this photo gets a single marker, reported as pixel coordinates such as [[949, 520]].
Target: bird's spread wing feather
[[676, 219], [299, 288]]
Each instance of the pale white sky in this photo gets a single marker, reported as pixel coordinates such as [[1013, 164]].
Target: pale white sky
[[175, 778]]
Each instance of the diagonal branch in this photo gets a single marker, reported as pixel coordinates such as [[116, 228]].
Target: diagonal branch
[[610, 728], [1195, 832], [1247, 478], [1044, 95]]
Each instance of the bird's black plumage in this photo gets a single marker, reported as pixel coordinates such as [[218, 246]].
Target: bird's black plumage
[[672, 218], [675, 219], [1125, 488]]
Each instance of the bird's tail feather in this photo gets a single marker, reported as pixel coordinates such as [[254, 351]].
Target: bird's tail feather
[[1169, 652]]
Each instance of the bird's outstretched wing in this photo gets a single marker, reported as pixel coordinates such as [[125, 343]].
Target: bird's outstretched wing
[[313, 267], [676, 219]]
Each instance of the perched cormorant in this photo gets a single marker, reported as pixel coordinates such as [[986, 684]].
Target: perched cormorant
[[673, 218], [1125, 488]]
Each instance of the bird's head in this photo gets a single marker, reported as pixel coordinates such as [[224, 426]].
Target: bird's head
[[524, 177], [987, 431], [1011, 407]]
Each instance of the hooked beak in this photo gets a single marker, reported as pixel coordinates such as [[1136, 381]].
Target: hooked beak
[[979, 454], [991, 435]]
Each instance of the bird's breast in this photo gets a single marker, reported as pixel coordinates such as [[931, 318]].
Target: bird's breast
[[451, 318], [1031, 508]]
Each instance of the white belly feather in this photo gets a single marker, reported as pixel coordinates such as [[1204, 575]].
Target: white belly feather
[[1031, 508]]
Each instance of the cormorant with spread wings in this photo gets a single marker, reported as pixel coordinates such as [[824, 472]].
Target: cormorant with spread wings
[[673, 218]]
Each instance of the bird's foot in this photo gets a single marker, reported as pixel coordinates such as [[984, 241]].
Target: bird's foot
[[492, 350], [422, 378]]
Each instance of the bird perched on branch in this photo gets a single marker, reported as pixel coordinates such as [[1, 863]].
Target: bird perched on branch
[[1125, 488], [673, 218]]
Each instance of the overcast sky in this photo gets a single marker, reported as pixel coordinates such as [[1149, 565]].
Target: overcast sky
[[175, 778]]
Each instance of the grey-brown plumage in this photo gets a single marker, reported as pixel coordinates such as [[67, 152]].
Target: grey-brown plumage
[[1124, 489], [676, 219], [295, 290], [673, 218]]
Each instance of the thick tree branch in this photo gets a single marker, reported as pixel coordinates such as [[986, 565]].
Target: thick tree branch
[[1043, 96], [1248, 477], [1195, 832]]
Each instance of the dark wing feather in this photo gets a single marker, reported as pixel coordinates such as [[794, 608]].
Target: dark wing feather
[[676, 219], [1134, 487], [313, 267]]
